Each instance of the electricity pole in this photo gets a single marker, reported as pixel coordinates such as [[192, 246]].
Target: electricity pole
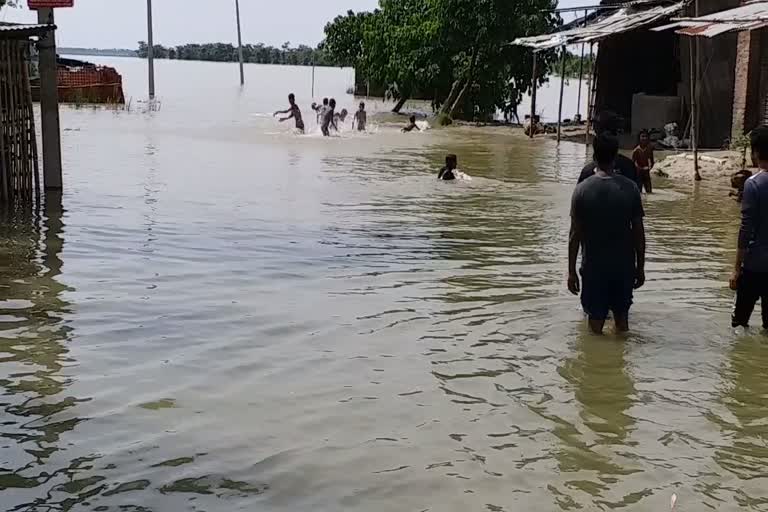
[[239, 42], [150, 51]]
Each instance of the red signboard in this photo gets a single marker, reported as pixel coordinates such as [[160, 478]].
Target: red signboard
[[42, 4]]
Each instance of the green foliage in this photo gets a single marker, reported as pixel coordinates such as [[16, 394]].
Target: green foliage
[[455, 50], [573, 64], [224, 52]]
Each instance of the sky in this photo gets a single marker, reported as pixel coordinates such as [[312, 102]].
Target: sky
[[122, 23]]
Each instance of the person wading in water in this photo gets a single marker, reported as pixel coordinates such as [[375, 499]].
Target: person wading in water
[[607, 225], [750, 275], [295, 113]]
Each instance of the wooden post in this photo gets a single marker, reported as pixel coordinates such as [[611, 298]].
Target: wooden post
[[533, 92], [590, 99], [313, 79], [581, 71], [562, 90], [239, 42], [150, 51], [694, 108], [49, 104], [695, 102]]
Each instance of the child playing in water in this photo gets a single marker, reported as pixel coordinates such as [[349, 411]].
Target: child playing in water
[[294, 111], [411, 125], [644, 161], [361, 118], [447, 172]]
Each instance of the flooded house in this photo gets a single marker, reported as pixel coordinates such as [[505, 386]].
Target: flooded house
[[648, 60]]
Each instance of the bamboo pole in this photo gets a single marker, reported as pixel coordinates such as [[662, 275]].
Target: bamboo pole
[[694, 107], [590, 99], [23, 133], [581, 71], [533, 93], [696, 103], [562, 90]]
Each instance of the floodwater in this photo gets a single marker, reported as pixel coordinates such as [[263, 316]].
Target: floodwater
[[220, 315]]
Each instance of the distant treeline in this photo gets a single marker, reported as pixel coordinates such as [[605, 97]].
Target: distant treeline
[[225, 52], [103, 52]]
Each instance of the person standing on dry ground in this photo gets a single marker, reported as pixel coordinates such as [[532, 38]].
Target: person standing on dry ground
[[607, 225], [750, 274]]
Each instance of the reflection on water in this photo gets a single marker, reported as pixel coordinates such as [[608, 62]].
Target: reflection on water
[[219, 315]]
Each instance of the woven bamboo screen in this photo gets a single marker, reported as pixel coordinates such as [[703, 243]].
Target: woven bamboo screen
[[19, 171]]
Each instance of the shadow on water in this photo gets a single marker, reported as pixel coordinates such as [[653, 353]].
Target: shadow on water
[[34, 335]]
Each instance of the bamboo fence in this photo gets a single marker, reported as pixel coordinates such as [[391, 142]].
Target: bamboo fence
[[19, 169]]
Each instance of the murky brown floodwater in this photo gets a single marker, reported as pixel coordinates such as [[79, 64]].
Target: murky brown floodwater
[[221, 316]]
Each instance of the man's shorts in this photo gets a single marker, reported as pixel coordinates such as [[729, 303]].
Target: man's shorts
[[601, 293], [752, 286]]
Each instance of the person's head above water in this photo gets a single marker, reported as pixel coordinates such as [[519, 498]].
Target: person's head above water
[[759, 140], [644, 137], [607, 121], [451, 162], [325, 101], [413, 119], [362, 105], [606, 148], [332, 103], [291, 99]]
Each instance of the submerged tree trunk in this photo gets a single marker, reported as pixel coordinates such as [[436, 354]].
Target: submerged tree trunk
[[459, 99], [449, 101], [454, 107], [399, 104]]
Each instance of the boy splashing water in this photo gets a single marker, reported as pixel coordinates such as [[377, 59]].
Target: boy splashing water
[[294, 111]]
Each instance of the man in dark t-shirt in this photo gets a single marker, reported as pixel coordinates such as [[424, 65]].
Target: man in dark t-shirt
[[623, 166], [607, 121], [607, 225], [750, 275]]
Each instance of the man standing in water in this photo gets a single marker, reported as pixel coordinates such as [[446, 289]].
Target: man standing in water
[[609, 122], [750, 276], [329, 118], [607, 224], [294, 111]]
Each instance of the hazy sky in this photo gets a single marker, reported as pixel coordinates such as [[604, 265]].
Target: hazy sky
[[121, 23]]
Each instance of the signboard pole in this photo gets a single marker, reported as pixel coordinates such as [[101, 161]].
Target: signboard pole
[[49, 103]]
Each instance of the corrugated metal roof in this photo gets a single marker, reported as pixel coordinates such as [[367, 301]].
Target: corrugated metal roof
[[616, 22], [20, 30], [751, 16]]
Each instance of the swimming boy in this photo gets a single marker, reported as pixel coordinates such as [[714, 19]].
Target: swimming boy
[[643, 159], [411, 125], [294, 111], [446, 173], [361, 118]]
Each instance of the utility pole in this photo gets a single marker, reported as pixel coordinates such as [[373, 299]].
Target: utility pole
[[239, 42], [150, 52], [49, 103]]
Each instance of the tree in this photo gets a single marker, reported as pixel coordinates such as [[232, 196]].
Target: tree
[[455, 50]]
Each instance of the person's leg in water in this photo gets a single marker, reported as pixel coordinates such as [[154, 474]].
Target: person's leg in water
[[595, 302], [747, 294], [647, 183], [762, 280]]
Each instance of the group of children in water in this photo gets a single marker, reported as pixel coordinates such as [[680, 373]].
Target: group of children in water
[[328, 118]]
